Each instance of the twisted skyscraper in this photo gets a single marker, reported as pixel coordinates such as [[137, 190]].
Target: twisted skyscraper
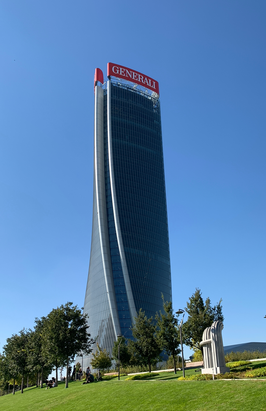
[[129, 261]]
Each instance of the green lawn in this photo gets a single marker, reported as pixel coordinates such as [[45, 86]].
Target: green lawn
[[164, 393]]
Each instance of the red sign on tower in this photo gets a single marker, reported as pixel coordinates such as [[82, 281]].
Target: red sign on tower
[[133, 76]]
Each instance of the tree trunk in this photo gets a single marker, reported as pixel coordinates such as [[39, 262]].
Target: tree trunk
[[174, 362], [37, 380], [67, 375], [56, 373], [14, 381], [27, 381], [149, 367], [22, 383], [42, 377]]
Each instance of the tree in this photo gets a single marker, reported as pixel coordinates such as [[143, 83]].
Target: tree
[[9, 370], [197, 356], [145, 349], [200, 316], [52, 339], [5, 375], [66, 333], [123, 351], [168, 333], [38, 362], [101, 359], [16, 355]]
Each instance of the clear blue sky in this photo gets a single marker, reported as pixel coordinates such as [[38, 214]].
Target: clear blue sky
[[209, 59]]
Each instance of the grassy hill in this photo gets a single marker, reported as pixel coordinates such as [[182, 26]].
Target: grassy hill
[[160, 393]]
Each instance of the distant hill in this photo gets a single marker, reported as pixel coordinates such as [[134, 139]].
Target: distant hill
[[251, 346]]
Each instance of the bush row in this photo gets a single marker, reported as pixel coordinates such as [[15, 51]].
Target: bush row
[[236, 364], [204, 377], [246, 355], [260, 372]]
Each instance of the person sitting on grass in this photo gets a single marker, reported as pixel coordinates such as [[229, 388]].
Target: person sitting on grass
[[89, 376], [49, 384]]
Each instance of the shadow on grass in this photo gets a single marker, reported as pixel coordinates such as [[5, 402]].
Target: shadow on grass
[[60, 383]]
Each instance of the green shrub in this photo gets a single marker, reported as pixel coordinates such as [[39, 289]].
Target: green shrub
[[260, 372], [226, 376], [204, 377], [258, 364], [236, 364], [246, 355], [199, 377], [142, 376], [248, 366]]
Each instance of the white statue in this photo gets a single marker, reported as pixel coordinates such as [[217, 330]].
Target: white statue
[[213, 350]]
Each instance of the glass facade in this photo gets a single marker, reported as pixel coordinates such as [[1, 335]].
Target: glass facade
[[141, 199], [130, 261], [117, 271]]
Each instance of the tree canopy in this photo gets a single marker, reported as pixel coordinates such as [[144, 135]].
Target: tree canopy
[[168, 332], [145, 348], [66, 333], [37, 361], [55, 341], [101, 359], [15, 352], [124, 352], [200, 316]]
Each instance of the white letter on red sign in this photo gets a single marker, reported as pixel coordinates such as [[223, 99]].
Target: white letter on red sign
[[115, 69], [128, 73]]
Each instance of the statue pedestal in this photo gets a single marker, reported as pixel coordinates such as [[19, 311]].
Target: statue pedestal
[[215, 371]]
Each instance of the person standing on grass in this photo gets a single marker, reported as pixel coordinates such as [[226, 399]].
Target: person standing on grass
[[88, 373], [80, 373], [74, 373]]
